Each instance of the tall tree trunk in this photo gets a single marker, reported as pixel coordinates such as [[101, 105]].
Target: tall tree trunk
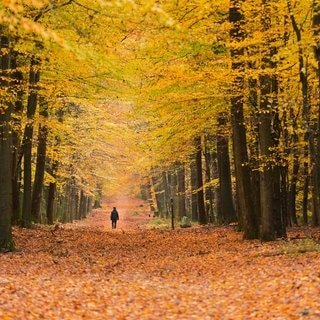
[[193, 183], [266, 176], [314, 173], [166, 194], [6, 240], [210, 161], [254, 145], [40, 166], [305, 112], [172, 182], [51, 202], [98, 196], [247, 215], [16, 140], [309, 135], [292, 212], [200, 193], [76, 205], [181, 192], [314, 155], [271, 219], [158, 191], [211, 190], [226, 199], [52, 189], [83, 205], [279, 193], [306, 183], [34, 76]]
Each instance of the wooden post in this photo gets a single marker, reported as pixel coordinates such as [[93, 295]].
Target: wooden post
[[172, 215]]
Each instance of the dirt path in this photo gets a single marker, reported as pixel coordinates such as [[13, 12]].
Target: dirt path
[[134, 215]]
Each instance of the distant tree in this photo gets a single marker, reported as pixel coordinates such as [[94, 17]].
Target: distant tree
[[193, 187], [181, 189], [38, 184], [200, 193], [210, 159]]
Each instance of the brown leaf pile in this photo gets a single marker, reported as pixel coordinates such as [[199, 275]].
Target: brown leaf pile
[[86, 270]]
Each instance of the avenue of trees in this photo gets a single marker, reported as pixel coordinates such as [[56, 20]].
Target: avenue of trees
[[208, 107]]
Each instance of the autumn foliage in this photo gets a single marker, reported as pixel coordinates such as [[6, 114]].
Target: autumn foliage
[[86, 270]]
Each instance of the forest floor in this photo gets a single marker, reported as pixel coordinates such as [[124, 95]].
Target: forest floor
[[86, 270]]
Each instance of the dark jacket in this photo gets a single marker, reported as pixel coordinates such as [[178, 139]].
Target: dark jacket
[[114, 215]]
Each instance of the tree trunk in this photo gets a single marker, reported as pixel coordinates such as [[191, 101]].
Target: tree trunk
[[16, 141], [269, 130], [247, 216], [40, 168], [305, 202], [266, 174], [210, 162], [75, 204], [83, 205], [27, 143], [314, 149], [314, 173], [226, 200], [98, 196], [309, 135], [193, 183], [6, 240], [158, 191], [172, 182], [292, 212], [181, 192], [50, 202], [166, 195], [254, 145], [200, 193]]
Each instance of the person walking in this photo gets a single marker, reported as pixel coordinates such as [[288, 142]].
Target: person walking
[[114, 217]]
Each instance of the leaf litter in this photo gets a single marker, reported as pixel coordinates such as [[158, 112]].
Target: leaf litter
[[86, 270]]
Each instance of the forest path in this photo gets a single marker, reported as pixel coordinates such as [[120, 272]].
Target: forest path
[[134, 215], [86, 270]]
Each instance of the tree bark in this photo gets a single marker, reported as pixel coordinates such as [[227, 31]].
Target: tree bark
[[34, 76], [6, 240], [40, 167], [247, 216], [50, 202], [292, 212], [314, 148], [200, 193], [166, 194], [272, 223], [193, 182], [16, 140], [226, 200], [181, 192], [158, 190], [210, 158]]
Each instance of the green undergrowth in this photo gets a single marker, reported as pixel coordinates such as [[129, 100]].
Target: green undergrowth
[[162, 223], [159, 223], [300, 246]]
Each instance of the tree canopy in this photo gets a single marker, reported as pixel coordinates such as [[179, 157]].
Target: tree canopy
[[123, 94]]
